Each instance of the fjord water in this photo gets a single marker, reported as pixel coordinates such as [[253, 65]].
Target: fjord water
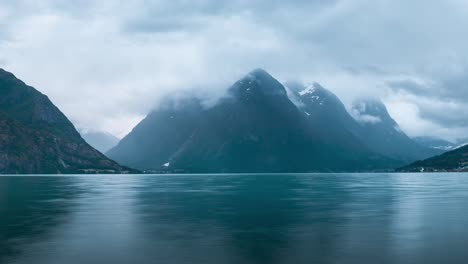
[[281, 218]]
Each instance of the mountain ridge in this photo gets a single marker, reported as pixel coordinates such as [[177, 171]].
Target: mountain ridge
[[368, 121], [254, 128], [260, 125], [451, 161], [37, 138]]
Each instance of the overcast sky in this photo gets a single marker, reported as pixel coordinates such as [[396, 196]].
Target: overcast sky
[[106, 63]]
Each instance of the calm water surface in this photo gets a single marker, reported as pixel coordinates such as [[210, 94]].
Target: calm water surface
[[316, 218]]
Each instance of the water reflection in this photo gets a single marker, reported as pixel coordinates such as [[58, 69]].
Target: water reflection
[[241, 218], [30, 208], [323, 218], [429, 217]]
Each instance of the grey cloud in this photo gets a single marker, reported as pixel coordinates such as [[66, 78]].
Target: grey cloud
[[132, 53], [455, 88], [139, 26], [4, 34], [449, 118], [365, 69], [443, 101], [25, 8], [408, 86], [184, 15]]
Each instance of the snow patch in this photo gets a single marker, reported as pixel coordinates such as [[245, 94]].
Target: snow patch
[[310, 89]]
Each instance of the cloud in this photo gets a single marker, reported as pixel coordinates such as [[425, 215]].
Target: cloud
[[443, 100], [368, 119], [107, 63]]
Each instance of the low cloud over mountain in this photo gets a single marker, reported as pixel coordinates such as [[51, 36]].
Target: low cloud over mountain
[[259, 125], [120, 59]]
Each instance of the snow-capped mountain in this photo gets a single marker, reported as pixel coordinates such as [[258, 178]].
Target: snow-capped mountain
[[255, 128], [368, 121], [325, 113]]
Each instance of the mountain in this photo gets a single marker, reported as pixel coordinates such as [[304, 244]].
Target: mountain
[[435, 143], [35, 137], [453, 161], [161, 134], [370, 124], [326, 113], [101, 141], [383, 135], [254, 128]]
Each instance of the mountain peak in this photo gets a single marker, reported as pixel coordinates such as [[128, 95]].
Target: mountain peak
[[259, 71], [261, 81], [313, 88], [6, 75], [38, 138], [315, 94], [259, 75]]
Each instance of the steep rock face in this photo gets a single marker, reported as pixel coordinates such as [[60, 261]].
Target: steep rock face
[[35, 137], [153, 142], [370, 123], [453, 161], [383, 135], [326, 113], [254, 128]]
